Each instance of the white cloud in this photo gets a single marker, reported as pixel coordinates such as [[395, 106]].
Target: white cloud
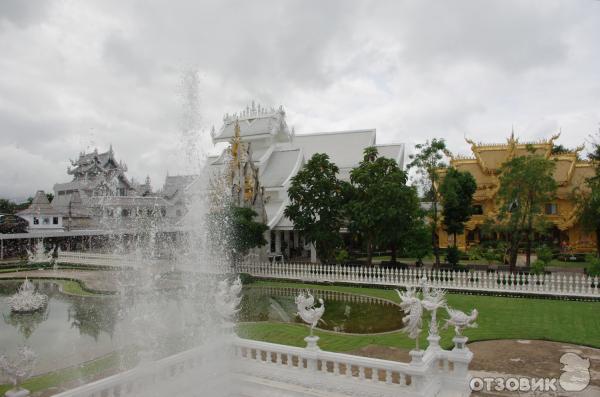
[[78, 74]]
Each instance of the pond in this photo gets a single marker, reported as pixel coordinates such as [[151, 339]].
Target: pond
[[347, 313], [75, 329], [70, 330]]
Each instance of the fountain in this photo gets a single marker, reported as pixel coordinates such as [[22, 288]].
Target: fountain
[[27, 299], [17, 369], [311, 315], [38, 254], [227, 301]]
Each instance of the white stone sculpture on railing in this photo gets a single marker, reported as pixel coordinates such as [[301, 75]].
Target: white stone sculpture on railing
[[433, 299], [17, 369], [413, 307], [227, 301], [27, 299], [310, 314], [460, 321], [38, 253]]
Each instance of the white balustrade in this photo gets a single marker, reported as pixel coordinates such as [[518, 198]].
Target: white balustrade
[[571, 285]]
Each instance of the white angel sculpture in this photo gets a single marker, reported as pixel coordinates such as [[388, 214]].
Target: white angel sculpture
[[413, 308], [308, 311], [459, 320]]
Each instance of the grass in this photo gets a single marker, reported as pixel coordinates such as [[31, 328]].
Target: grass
[[86, 372], [72, 287], [499, 318]]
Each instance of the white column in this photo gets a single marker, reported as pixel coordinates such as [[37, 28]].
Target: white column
[[313, 253], [296, 239], [286, 238], [268, 238], [278, 241]]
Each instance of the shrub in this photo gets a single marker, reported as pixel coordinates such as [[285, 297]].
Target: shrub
[[594, 265], [544, 254], [538, 267], [246, 278], [341, 256], [475, 253], [452, 256]]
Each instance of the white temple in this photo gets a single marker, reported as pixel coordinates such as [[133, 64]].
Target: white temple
[[279, 154]]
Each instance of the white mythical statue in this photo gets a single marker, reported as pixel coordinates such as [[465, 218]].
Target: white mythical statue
[[27, 299], [228, 298], [17, 369], [413, 307], [433, 299], [38, 253], [459, 320], [308, 311]]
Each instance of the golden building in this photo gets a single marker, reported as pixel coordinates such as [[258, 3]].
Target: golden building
[[484, 165]]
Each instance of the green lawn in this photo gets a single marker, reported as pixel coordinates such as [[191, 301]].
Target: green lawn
[[85, 372], [499, 318]]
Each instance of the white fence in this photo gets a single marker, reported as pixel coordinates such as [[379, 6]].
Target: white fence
[[109, 260], [557, 284], [267, 369]]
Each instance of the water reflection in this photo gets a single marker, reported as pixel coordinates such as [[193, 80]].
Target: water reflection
[[346, 313], [26, 323]]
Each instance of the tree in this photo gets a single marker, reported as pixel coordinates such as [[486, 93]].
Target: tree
[[456, 191], [50, 197], [526, 184], [7, 206], [233, 231], [245, 232], [588, 199], [381, 208], [428, 161], [316, 201]]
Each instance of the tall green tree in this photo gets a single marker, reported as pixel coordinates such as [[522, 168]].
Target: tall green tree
[[381, 208], [316, 203], [588, 199], [526, 185], [428, 160], [456, 191]]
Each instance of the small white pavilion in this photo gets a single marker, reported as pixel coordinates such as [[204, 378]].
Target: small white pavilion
[[41, 215]]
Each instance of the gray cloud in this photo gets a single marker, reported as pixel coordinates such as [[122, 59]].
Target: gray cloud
[[74, 75]]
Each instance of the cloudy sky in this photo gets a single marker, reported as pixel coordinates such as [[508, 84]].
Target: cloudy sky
[[81, 74]]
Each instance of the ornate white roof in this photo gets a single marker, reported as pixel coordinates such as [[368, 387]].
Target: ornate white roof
[[284, 153], [281, 165], [255, 122]]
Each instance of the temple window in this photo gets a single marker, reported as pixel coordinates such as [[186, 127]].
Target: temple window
[[36, 220], [124, 212], [477, 210], [46, 221], [551, 209], [55, 220]]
